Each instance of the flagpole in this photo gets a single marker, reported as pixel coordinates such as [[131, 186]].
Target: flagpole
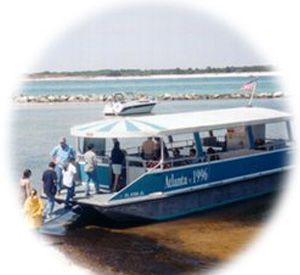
[[252, 95]]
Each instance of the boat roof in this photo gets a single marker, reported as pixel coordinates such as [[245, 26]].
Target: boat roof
[[177, 123]]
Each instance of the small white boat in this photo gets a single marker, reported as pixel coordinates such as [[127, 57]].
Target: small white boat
[[126, 104]]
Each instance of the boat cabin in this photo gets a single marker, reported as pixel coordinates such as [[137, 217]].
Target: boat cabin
[[179, 141]]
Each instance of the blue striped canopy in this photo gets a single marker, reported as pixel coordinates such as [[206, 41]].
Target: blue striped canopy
[[178, 123], [118, 128]]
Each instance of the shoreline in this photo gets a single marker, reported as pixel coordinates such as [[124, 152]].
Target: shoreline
[[44, 99], [161, 76]]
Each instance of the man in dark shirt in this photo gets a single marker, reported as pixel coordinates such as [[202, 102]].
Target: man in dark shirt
[[49, 185]]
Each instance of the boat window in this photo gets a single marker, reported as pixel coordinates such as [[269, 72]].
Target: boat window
[[277, 135], [276, 131], [99, 144], [182, 141], [259, 131], [130, 146], [214, 138]]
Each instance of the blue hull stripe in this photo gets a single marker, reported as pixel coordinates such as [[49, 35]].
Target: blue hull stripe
[[170, 180]]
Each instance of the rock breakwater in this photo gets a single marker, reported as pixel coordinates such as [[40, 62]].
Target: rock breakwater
[[163, 97]]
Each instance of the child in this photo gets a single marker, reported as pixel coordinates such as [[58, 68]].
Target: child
[[69, 173], [25, 185], [33, 209]]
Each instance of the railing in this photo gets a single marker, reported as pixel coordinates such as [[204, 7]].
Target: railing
[[137, 150], [271, 144], [135, 160], [100, 159], [180, 143], [139, 162]]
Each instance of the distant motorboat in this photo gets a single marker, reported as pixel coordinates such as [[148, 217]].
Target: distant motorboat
[[126, 104]]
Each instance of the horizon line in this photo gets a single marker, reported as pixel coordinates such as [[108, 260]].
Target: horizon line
[[208, 68]]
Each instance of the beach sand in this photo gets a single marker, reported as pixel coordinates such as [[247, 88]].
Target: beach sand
[[197, 243]]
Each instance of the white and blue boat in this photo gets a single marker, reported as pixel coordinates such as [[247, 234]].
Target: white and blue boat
[[122, 104], [241, 153]]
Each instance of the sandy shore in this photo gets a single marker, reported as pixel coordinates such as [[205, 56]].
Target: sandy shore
[[196, 243], [161, 76]]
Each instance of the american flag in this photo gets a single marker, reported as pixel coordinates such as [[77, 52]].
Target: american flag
[[249, 86]]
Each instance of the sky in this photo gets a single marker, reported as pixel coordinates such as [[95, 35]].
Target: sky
[[148, 37]]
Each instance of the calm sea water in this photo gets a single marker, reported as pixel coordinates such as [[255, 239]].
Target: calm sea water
[[152, 86], [37, 128]]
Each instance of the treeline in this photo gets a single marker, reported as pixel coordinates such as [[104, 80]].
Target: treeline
[[151, 72]]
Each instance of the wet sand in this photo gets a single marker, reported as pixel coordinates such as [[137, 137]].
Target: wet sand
[[196, 243]]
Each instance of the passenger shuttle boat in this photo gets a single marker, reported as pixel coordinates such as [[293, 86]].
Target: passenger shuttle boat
[[241, 153]]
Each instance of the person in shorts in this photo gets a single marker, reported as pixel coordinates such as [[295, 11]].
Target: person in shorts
[[117, 159]]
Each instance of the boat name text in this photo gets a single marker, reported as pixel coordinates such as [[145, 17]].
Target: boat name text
[[198, 176]]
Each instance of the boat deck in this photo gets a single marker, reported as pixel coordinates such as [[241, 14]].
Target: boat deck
[[80, 198]]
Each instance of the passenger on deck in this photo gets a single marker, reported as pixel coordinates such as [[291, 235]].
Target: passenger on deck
[[69, 173], [192, 156], [260, 144], [212, 154], [148, 149], [90, 168], [25, 186], [117, 159], [60, 155], [176, 153], [33, 208], [177, 156], [49, 185], [157, 149]]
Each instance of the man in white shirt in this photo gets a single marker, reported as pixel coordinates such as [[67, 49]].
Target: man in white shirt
[[69, 173]]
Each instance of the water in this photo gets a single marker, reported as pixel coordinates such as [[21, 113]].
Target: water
[[150, 86]]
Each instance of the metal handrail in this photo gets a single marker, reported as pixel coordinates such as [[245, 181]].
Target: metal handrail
[[100, 159]]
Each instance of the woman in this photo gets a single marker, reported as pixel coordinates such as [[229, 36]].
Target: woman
[[117, 159], [25, 186], [33, 209]]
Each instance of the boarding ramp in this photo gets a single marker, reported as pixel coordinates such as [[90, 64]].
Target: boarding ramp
[[60, 222]]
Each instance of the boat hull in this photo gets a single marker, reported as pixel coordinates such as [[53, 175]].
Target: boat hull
[[131, 110], [190, 202]]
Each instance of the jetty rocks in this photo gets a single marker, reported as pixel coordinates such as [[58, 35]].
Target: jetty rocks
[[164, 97]]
